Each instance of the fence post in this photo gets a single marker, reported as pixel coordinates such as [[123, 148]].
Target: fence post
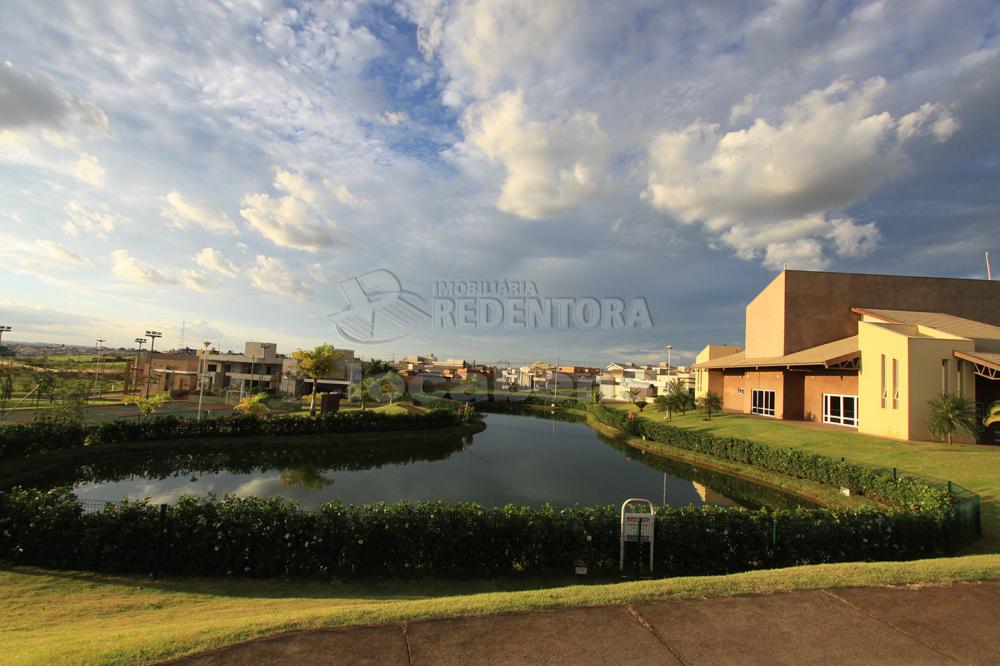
[[895, 477], [160, 527]]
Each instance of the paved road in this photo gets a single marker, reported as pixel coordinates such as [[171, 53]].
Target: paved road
[[928, 625]]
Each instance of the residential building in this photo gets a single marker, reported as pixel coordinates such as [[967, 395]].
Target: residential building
[[861, 351], [171, 372], [261, 368]]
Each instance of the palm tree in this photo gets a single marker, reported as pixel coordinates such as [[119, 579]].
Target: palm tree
[[315, 364], [992, 414], [949, 414], [710, 402]]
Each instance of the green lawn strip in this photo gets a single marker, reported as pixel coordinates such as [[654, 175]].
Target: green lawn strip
[[974, 466], [67, 617], [815, 492]]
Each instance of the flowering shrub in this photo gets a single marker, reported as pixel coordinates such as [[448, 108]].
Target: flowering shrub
[[48, 436], [270, 537]]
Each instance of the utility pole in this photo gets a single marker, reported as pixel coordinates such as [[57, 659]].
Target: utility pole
[[152, 335], [138, 360], [201, 377], [99, 370], [669, 349]]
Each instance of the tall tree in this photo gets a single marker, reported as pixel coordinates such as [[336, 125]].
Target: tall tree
[[949, 414], [710, 402], [362, 390], [373, 367], [315, 364]]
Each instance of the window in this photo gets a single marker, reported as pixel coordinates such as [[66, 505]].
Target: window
[[885, 392], [840, 409], [762, 402], [895, 384]]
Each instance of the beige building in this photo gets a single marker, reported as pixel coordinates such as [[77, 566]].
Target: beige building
[[861, 351]]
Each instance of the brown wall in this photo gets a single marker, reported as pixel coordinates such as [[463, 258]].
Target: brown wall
[[844, 383], [793, 395], [732, 400], [772, 380], [802, 309]]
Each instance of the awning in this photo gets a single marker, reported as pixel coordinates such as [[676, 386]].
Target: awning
[[843, 353]]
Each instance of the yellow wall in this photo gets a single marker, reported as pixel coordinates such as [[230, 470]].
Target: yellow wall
[[919, 353], [765, 327], [706, 380]]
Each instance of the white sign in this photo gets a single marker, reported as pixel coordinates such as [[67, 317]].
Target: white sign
[[637, 526]]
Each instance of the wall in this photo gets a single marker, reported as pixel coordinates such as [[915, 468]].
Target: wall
[[817, 305], [732, 400], [772, 380], [924, 377], [844, 382], [705, 380], [875, 340], [765, 320]]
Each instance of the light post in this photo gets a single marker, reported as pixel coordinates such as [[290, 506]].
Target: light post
[[3, 329], [669, 348], [138, 360], [152, 335], [100, 366], [201, 377]]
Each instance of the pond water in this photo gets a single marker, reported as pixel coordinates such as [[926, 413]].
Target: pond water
[[517, 459]]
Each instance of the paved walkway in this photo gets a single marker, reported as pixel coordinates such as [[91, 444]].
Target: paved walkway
[[927, 625]]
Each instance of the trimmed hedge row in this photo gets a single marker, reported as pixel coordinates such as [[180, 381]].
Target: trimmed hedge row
[[269, 537], [878, 484], [49, 436]]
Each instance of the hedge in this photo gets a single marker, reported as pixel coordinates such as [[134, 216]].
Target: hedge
[[48, 436], [875, 483], [270, 537]]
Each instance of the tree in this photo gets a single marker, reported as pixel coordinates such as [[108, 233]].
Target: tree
[[595, 393], [391, 385], [71, 400], [638, 399], [710, 402], [948, 414], [374, 367], [253, 405], [362, 390], [315, 364], [148, 404], [992, 414]]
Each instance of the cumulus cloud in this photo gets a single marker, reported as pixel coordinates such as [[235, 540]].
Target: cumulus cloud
[[394, 118], [61, 254], [197, 280], [551, 166], [743, 108], [98, 221], [343, 195], [778, 183], [294, 220], [89, 170], [181, 212], [270, 274], [32, 100], [132, 270], [213, 260], [854, 240]]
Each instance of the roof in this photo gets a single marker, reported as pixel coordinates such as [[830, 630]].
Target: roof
[[985, 336], [825, 355]]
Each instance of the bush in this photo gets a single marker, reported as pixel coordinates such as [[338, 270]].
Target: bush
[[49, 436], [262, 537]]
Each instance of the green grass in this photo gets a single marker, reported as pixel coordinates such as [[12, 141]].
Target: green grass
[[974, 466], [80, 618]]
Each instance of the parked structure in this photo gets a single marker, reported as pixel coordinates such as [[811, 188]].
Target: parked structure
[[861, 351]]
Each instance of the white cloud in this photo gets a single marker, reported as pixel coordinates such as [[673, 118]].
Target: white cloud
[[99, 222], [777, 183], [88, 170], [743, 108], [62, 254], [852, 239], [131, 270], [343, 195], [213, 260], [804, 254], [290, 221], [270, 274], [197, 280], [33, 100], [551, 166], [394, 118], [181, 212]]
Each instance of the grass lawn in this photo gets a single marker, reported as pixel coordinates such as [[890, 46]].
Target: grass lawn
[[974, 466], [67, 617]]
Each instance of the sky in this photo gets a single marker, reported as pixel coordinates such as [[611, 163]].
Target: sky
[[221, 167]]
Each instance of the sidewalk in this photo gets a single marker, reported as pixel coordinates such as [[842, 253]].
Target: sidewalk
[[918, 625]]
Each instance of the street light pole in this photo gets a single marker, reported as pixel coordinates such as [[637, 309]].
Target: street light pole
[[152, 335], [138, 360], [669, 348], [100, 366], [201, 377]]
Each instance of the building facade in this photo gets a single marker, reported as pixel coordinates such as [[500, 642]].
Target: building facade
[[861, 351]]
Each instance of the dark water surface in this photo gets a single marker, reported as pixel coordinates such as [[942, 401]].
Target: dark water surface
[[517, 459]]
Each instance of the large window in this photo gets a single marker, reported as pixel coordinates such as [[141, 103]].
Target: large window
[[840, 409], [762, 402]]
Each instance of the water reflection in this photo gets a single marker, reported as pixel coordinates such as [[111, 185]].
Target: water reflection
[[515, 460]]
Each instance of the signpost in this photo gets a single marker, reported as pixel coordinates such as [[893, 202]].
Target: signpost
[[637, 527]]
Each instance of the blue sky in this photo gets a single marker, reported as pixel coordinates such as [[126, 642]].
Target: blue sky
[[228, 164]]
